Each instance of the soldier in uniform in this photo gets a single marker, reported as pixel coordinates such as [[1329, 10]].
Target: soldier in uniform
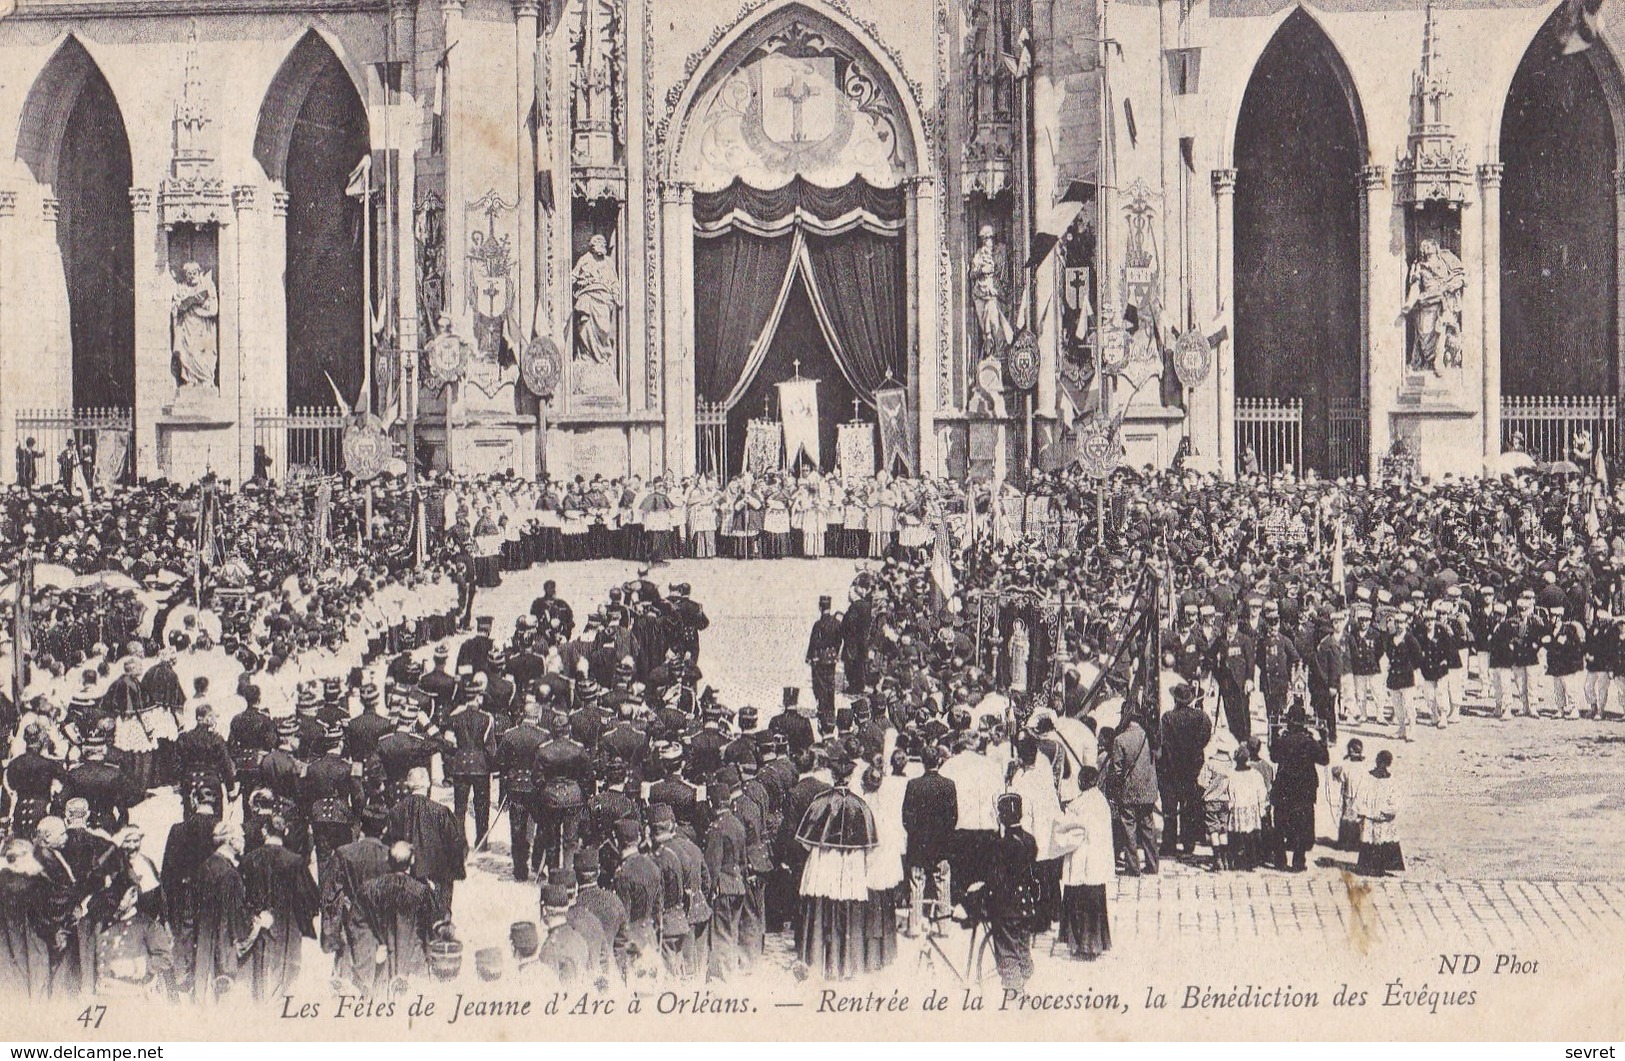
[[823, 652], [641, 888], [362, 733], [282, 776], [468, 766], [690, 620], [32, 778], [564, 952], [1276, 657], [401, 751], [603, 904], [108, 790], [500, 700], [516, 761], [439, 684], [252, 735], [564, 776], [204, 762], [475, 652], [1565, 658], [330, 797], [728, 865]]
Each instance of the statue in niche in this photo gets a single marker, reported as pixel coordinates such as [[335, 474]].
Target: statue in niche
[[194, 314], [987, 295], [596, 290], [1433, 303]]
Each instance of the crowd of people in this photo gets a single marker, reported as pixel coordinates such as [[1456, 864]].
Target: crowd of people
[[994, 734]]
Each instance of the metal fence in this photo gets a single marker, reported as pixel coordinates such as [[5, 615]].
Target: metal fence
[[309, 438], [1348, 422], [711, 429], [92, 429], [1545, 426], [1269, 435]]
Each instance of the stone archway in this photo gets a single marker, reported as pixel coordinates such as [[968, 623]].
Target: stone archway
[[1300, 143], [1559, 226], [73, 140], [312, 132]]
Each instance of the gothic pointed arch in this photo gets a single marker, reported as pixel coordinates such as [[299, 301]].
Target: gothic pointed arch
[[1560, 141], [73, 140], [1300, 142], [312, 133]]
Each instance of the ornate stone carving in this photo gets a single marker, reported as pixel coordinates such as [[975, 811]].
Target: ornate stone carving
[[279, 204], [1224, 182], [1434, 167], [1489, 175], [997, 60], [1373, 178], [598, 107], [141, 200], [193, 193], [52, 210], [242, 197]]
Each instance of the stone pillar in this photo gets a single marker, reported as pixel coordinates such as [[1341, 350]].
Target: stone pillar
[[12, 354], [1619, 279], [403, 27], [50, 384], [456, 301], [1489, 220], [923, 323], [240, 374], [677, 299], [403, 15], [525, 16], [1223, 442], [1382, 282], [154, 384]]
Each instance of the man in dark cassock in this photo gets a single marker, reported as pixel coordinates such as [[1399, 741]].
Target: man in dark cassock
[[277, 880], [401, 912], [1183, 749], [224, 927], [838, 832], [475, 651], [823, 652], [25, 924], [439, 683], [346, 930], [793, 726], [187, 847], [439, 846], [1297, 752], [126, 702]]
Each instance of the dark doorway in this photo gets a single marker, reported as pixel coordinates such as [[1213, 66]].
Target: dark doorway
[[323, 280], [1558, 229], [96, 234], [1300, 144]]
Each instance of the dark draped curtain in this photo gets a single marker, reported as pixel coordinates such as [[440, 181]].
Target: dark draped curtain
[[843, 315], [859, 282], [737, 278], [885, 206]]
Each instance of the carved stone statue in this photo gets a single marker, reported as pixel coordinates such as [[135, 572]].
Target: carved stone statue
[[1433, 302], [194, 313], [987, 295], [597, 294]]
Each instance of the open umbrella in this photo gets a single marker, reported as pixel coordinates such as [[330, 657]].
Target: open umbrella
[[1509, 463], [112, 581], [53, 575], [1561, 468]]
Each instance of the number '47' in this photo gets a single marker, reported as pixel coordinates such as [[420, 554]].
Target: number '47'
[[92, 1016]]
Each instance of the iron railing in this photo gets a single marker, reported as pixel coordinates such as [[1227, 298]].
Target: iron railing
[[1269, 435], [1348, 424], [711, 428], [1547, 426], [108, 434], [311, 439]]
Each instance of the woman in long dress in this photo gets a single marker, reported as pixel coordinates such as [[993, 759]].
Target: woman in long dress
[[838, 831], [1084, 832]]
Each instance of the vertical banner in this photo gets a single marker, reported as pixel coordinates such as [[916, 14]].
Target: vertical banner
[[319, 524], [762, 446], [798, 412], [22, 634], [855, 448], [112, 454], [891, 403]]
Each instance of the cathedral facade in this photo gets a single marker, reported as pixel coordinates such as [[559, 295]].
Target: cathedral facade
[[601, 236]]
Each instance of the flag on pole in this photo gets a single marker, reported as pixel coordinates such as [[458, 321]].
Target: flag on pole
[[1339, 568], [359, 184], [891, 407], [942, 568], [22, 634], [319, 524], [1134, 670]]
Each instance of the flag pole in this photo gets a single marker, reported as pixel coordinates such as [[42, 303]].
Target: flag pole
[[1102, 282], [366, 290]]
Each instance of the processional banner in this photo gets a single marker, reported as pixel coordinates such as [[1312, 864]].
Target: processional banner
[[798, 412], [855, 447], [762, 446]]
